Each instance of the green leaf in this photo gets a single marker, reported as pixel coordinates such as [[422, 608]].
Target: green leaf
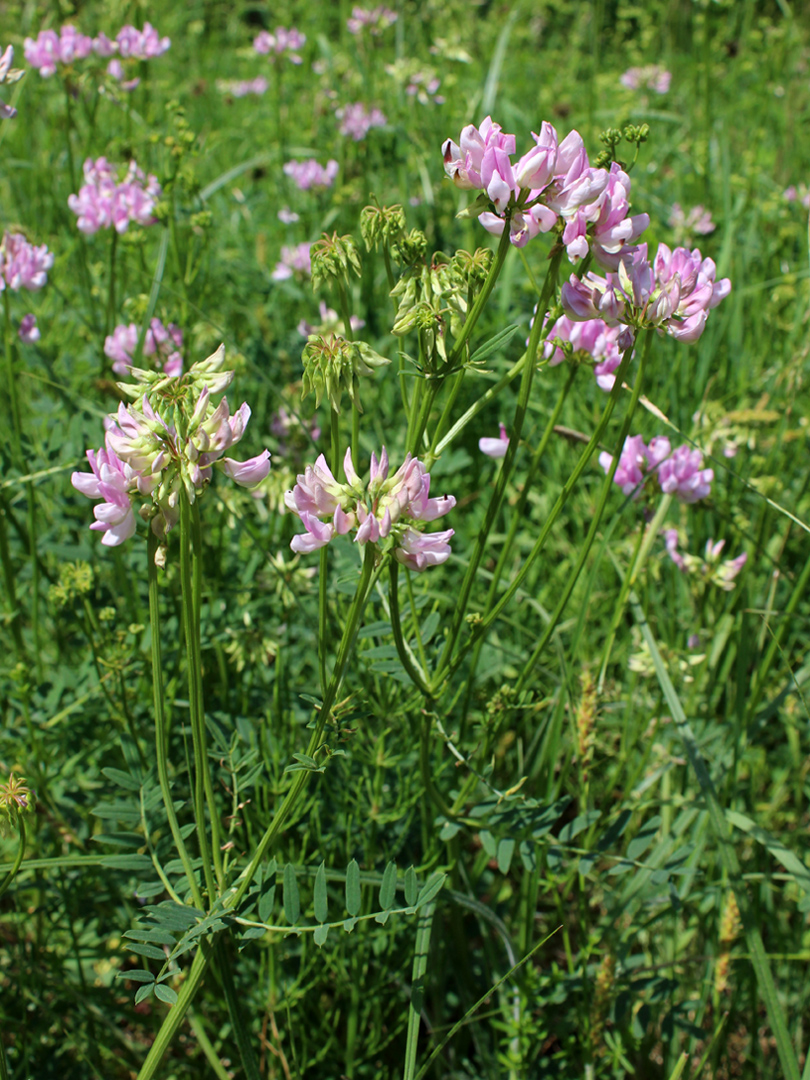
[[136, 975], [411, 889], [494, 343], [145, 890], [292, 899], [146, 950], [157, 937], [791, 862], [388, 888], [643, 838], [506, 849], [431, 887], [449, 830], [319, 935], [268, 892], [165, 993], [578, 825], [321, 902], [144, 992], [490, 844], [123, 779], [430, 626], [349, 925], [136, 863], [353, 894]]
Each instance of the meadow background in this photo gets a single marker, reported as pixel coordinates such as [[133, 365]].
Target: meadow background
[[583, 823]]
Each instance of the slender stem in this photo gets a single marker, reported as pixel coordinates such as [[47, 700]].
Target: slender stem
[[177, 1012], [458, 379], [161, 727], [323, 614], [15, 866], [481, 299], [417, 677], [335, 436], [430, 389], [417, 632], [197, 717], [506, 471], [10, 582], [646, 539], [111, 290], [596, 519], [240, 1028]]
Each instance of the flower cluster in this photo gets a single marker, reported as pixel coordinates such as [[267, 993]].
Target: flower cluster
[[710, 568], [674, 294], [162, 341], [166, 443], [29, 331], [49, 48], [104, 203], [294, 260], [23, 265], [374, 19], [651, 77], [553, 181], [802, 194], [594, 339], [697, 221], [8, 75], [356, 121], [425, 88], [309, 174], [281, 42], [679, 472], [15, 799], [384, 508], [243, 87]]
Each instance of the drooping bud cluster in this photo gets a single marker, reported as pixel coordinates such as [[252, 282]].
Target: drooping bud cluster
[[161, 341], [552, 182], [23, 265], [282, 42], [8, 75], [710, 568], [333, 364], [169, 440], [432, 300], [383, 509], [679, 472], [15, 799], [103, 202], [674, 294], [49, 48]]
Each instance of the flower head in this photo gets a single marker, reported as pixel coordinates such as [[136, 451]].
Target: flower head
[[679, 472], [281, 42], [309, 174], [8, 75], [23, 265], [162, 341], [356, 120], [103, 202], [294, 260]]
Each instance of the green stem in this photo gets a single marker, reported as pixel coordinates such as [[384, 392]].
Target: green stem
[[15, 866], [506, 470], [646, 539], [323, 614], [161, 727], [197, 717], [420, 960], [481, 299], [596, 519], [240, 1029], [425, 399], [10, 583], [417, 677], [111, 290], [176, 1013]]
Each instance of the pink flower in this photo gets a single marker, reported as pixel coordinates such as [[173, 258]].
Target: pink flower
[[23, 265], [113, 481], [698, 220], [7, 75], [294, 260], [308, 174], [356, 121], [682, 475], [495, 448], [165, 341], [419, 550], [50, 49], [243, 88], [141, 44], [678, 472], [280, 42], [247, 473], [375, 19], [29, 331], [671, 541], [104, 203], [593, 338], [652, 77]]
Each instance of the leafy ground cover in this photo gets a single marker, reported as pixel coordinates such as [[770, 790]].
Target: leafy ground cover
[[294, 782]]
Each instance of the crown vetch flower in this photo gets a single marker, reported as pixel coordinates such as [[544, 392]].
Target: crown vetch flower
[[375, 19], [679, 472], [49, 49], [148, 454], [356, 120], [23, 265], [281, 41], [8, 75], [160, 340], [384, 507], [294, 260], [103, 203], [29, 331], [309, 174], [495, 448]]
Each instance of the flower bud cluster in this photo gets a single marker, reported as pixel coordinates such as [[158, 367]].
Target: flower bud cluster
[[679, 472], [281, 42], [104, 203], [381, 224], [710, 567], [333, 364], [8, 75], [161, 341], [333, 257], [168, 441], [431, 298], [49, 48], [15, 799], [674, 294], [553, 182], [383, 509], [23, 265]]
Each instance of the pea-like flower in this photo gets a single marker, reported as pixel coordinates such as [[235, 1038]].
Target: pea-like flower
[[23, 265], [382, 509], [679, 472], [103, 202]]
